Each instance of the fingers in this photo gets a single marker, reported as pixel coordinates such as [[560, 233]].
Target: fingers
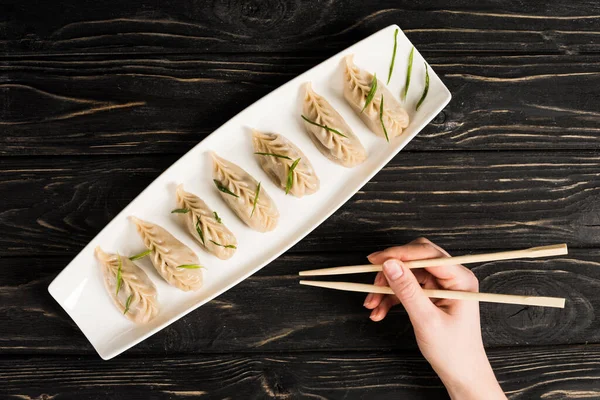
[[408, 285], [381, 304], [423, 240], [452, 277], [373, 299], [415, 250], [455, 277], [423, 277], [409, 292], [383, 308]]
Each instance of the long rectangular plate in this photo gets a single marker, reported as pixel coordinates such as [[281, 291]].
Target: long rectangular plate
[[79, 288]]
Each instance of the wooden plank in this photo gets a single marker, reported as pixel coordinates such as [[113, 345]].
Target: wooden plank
[[138, 27], [270, 311], [166, 104], [57, 205], [541, 373]]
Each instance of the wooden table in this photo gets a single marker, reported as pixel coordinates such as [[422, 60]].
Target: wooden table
[[99, 97]]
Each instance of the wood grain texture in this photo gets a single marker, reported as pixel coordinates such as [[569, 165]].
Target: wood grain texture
[[166, 104], [57, 205], [306, 319], [98, 97], [75, 27], [538, 373]]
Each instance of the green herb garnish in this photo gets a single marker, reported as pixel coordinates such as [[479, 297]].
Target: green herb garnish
[[408, 71], [217, 217], [140, 255], [322, 126], [119, 277], [381, 119], [199, 230], [228, 246], [371, 93], [127, 304], [256, 199], [272, 154], [223, 188], [425, 90], [290, 177], [180, 211], [190, 266], [393, 56]]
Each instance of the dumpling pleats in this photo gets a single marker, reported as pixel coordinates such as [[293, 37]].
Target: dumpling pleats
[[202, 224], [241, 192], [136, 297], [346, 150], [279, 156], [173, 260], [357, 85]]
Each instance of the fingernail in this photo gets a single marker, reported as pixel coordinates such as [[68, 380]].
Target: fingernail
[[374, 254], [392, 269], [368, 299], [374, 316]]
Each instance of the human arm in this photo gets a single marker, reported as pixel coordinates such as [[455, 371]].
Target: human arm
[[448, 332]]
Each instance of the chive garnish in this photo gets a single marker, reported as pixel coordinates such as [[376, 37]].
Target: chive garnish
[[199, 230], [322, 126], [228, 246], [190, 266], [180, 211], [371, 93], [381, 119], [140, 255], [409, 70], [119, 277], [290, 177], [217, 217], [272, 154], [255, 199], [425, 90], [127, 304], [223, 188], [393, 56]]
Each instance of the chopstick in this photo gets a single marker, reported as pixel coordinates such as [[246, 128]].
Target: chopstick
[[533, 252], [555, 302]]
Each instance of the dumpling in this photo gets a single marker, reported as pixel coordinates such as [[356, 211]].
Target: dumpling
[[129, 287], [244, 195], [345, 150], [173, 260], [357, 85], [203, 225], [277, 155]]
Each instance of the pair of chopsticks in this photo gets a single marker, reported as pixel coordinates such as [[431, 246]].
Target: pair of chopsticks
[[534, 252]]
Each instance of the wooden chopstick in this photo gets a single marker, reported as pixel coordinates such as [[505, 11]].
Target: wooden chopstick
[[555, 302], [534, 252]]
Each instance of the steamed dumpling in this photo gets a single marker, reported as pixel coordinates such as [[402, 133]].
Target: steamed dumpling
[[136, 296], [239, 190], [173, 260], [357, 84], [284, 155], [346, 151], [201, 222]]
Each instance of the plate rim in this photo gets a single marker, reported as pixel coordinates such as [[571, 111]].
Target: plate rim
[[107, 355]]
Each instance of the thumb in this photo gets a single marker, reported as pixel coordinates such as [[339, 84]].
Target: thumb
[[407, 289]]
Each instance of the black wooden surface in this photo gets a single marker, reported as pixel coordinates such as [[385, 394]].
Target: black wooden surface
[[97, 98]]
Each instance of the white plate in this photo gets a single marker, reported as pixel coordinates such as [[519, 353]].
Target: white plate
[[79, 287]]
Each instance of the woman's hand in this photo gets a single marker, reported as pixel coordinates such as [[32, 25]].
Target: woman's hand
[[448, 332]]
